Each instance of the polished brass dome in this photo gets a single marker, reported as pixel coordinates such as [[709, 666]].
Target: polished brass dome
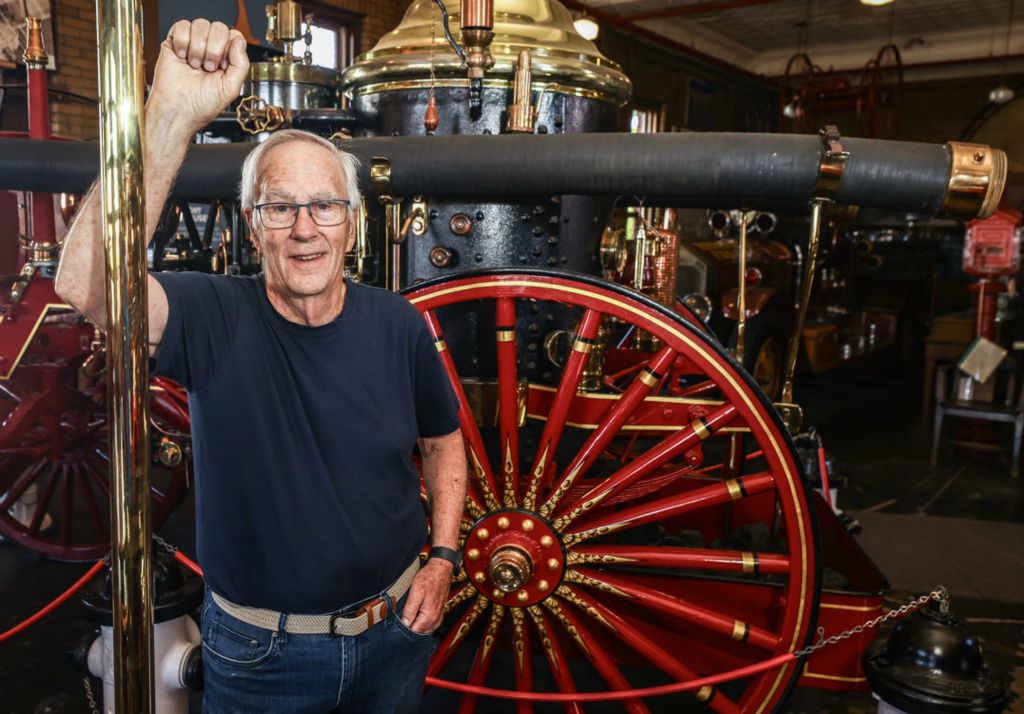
[[562, 60]]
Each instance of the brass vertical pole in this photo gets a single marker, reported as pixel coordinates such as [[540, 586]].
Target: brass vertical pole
[[741, 291], [119, 27], [394, 215], [817, 206], [639, 252]]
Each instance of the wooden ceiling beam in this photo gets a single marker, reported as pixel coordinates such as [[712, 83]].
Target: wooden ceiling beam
[[698, 9], [654, 37]]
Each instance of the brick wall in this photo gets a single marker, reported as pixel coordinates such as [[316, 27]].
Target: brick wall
[[74, 24], [75, 30]]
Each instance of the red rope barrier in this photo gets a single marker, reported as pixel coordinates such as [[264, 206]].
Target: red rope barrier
[[79, 584], [614, 695], [617, 694], [188, 562]]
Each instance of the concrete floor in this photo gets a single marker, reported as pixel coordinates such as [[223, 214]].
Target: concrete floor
[[960, 524]]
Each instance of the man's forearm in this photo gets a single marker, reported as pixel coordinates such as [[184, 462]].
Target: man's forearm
[[81, 277], [444, 473]]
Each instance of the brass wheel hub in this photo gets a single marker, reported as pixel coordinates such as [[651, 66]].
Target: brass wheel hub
[[514, 557]]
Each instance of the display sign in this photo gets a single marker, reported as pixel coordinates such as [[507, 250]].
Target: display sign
[[992, 245]]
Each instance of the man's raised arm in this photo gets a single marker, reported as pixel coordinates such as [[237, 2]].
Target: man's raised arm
[[200, 70]]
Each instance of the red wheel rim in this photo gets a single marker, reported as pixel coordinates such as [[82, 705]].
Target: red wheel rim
[[609, 601], [55, 491]]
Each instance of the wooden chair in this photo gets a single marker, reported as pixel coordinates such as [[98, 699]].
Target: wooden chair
[[957, 395]]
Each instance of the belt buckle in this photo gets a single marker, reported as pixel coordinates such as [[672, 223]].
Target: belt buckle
[[366, 609]]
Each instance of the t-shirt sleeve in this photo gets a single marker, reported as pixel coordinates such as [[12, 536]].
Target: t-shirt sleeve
[[437, 409], [201, 322]]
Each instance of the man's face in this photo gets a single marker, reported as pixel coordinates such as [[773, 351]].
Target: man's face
[[305, 260]]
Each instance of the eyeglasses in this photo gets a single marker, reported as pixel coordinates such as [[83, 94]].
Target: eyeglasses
[[328, 212]]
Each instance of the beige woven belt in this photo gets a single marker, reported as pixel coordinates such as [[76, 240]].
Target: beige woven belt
[[333, 624]]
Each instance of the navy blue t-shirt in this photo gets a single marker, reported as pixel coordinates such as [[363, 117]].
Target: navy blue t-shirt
[[306, 496]]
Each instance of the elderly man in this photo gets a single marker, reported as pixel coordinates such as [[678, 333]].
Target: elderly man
[[308, 393]]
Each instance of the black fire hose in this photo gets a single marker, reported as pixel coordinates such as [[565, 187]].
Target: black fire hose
[[700, 170]]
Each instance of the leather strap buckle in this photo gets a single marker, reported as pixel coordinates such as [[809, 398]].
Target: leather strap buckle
[[387, 603]]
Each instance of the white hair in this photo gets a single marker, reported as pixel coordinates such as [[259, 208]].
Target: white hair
[[248, 187]]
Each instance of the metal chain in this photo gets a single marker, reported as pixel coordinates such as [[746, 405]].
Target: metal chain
[[940, 594], [164, 544], [88, 695]]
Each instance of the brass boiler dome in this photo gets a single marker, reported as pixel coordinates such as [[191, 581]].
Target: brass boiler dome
[[562, 61]]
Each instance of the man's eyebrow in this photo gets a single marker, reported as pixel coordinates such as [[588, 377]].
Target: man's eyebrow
[[278, 195], [275, 195]]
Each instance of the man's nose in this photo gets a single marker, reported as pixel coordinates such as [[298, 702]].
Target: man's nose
[[304, 226]]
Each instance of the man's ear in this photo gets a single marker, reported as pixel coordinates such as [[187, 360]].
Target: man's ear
[[350, 242], [251, 222]]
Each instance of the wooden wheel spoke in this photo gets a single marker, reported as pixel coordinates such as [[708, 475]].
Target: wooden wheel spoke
[[696, 390], [450, 644], [484, 657], [645, 646], [24, 480], [674, 505], [479, 462], [652, 599], [508, 399], [714, 468], [460, 596], [43, 504], [655, 457], [557, 662], [667, 557], [647, 378], [68, 506], [98, 478], [615, 468], [586, 335], [474, 510], [594, 652], [521, 658], [93, 507]]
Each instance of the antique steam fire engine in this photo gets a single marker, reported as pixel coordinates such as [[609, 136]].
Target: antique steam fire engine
[[637, 513]]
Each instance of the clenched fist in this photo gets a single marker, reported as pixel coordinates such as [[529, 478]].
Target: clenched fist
[[200, 71]]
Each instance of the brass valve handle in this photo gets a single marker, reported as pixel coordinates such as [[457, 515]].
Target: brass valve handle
[[255, 115]]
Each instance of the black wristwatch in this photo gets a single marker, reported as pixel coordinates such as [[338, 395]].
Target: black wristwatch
[[450, 554]]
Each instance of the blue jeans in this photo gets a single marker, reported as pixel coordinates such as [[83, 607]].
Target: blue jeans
[[249, 669]]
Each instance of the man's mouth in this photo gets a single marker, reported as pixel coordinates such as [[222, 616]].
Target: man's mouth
[[308, 258]]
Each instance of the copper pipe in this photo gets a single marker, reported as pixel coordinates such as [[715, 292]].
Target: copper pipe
[[521, 113], [476, 18], [124, 220], [666, 262], [477, 14], [805, 298]]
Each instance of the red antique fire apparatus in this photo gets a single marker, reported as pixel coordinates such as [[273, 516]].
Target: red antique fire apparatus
[[638, 514]]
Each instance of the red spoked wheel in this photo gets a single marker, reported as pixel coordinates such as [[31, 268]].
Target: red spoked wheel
[[616, 536], [54, 458]]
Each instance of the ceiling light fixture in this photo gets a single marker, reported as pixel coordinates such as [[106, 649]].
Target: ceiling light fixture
[[587, 27], [875, 3]]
